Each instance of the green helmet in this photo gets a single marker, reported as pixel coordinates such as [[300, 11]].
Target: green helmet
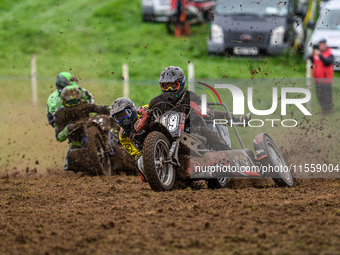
[[65, 79], [70, 96]]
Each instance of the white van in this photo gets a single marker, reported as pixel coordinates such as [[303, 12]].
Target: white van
[[327, 27]]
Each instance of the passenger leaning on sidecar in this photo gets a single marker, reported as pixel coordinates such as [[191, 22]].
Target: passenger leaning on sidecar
[[131, 120], [73, 110]]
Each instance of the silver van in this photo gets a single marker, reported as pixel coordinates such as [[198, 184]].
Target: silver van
[[253, 27]]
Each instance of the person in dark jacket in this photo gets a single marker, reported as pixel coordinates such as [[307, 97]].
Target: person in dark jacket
[[323, 60], [132, 134], [175, 94]]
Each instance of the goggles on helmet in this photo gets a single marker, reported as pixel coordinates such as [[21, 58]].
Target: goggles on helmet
[[72, 102], [173, 86], [125, 114]]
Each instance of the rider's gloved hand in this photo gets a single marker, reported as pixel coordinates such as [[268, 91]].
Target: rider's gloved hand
[[108, 107], [247, 117], [62, 136], [71, 126], [149, 112], [242, 119], [142, 119]]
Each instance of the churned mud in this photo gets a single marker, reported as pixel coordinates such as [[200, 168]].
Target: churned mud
[[50, 211], [65, 213]]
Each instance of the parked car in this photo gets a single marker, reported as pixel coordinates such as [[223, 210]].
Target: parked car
[[252, 27], [327, 27]]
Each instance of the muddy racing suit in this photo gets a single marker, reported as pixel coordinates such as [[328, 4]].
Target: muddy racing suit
[[133, 140], [54, 102], [65, 117], [192, 99]]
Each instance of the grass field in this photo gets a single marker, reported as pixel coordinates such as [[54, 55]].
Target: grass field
[[94, 38]]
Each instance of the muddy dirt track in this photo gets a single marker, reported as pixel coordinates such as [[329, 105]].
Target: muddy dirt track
[[69, 214]]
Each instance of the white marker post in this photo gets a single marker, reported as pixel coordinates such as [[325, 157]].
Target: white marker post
[[191, 74], [309, 82], [34, 80], [126, 80]]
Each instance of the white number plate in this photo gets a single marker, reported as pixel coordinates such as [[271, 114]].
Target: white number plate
[[246, 50]]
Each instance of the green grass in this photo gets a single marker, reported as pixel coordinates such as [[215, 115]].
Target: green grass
[[94, 38]]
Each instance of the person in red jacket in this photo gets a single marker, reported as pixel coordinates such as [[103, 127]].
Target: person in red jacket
[[182, 26], [323, 75]]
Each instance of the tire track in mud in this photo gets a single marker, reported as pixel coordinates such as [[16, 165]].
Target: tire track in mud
[[64, 213]]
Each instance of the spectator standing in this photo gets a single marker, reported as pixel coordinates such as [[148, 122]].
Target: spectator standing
[[323, 60], [182, 25]]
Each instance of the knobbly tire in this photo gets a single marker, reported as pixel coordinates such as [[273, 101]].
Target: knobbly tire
[[99, 158], [219, 183], [160, 176], [275, 158]]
